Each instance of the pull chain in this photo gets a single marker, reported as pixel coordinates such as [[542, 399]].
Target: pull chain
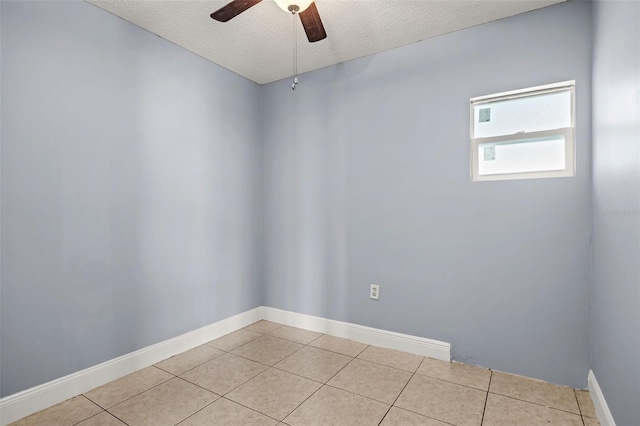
[[295, 51]]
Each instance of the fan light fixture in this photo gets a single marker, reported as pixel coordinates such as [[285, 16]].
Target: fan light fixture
[[305, 9], [294, 6]]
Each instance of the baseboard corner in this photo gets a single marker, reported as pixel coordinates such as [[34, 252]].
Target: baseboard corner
[[602, 409]]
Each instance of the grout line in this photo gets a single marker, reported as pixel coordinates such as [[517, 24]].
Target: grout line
[[262, 363], [338, 372], [535, 403], [486, 398], [252, 409], [78, 422], [329, 350], [316, 391], [203, 388], [322, 385], [308, 344], [357, 394], [420, 375], [300, 405], [339, 353], [575, 394], [90, 417], [296, 374], [313, 347], [224, 396], [300, 375], [317, 338], [235, 347], [197, 411], [386, 365], [231, 390], [114, 416], [398, 396], [132, 396], [364, 349], [233, 402], [454, 383], [261, 332], [111, 414], [423, 415], [185, 371]]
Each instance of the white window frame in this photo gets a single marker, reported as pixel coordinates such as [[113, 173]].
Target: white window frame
[[567, 132]]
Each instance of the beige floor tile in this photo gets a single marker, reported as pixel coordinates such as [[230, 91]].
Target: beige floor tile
[[187, 360], [535, 391], [224, 373], [275, 393], [372, 380], [586, 404], [233, 340], [339, 345], [462, 374], [444, 401], [227, 413], [102, 419], [392, 358], [263, 326], [334, 407], [589, 421], [69, 412], [165, 404], [267, 350], [502, 411], [313, 363], [297, 335], [124, 388], [399, 417]]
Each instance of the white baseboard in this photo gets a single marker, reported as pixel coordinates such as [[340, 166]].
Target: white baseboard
[[602, 409], [29, 401], [371, 336]]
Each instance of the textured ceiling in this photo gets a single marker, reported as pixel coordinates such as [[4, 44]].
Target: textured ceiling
[[257, 44]]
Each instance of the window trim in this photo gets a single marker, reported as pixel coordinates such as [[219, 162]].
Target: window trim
[[568, 133]]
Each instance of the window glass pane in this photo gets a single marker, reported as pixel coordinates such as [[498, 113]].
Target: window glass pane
[[527, 114], [522, 156]]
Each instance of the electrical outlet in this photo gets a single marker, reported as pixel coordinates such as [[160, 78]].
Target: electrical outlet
[[374, 292]]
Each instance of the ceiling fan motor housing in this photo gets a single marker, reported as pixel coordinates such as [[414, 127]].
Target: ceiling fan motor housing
[[305, 9], [287, 5]]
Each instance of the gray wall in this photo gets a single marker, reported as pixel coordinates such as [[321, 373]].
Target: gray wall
[[615, 339], [366, 180], [131, 175]]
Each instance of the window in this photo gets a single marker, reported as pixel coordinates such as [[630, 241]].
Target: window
[[524, 134]]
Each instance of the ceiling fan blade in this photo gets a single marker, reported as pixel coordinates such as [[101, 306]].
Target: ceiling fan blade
[[312, 24], [233, 9]]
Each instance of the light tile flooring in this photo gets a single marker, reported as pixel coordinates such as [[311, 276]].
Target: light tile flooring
[[270, 374]]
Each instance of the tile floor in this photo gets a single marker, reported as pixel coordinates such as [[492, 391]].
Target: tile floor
[[270, 374]]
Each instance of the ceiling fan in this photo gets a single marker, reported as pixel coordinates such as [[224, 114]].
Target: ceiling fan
[[306, 9]]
